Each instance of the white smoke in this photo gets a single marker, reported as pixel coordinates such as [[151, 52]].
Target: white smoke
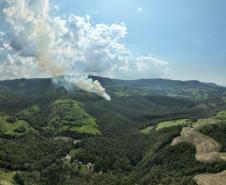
[[36, 42], [33, 36], [83, 82]]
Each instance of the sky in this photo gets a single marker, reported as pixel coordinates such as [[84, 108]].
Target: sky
[[189, 34], [128, 39]]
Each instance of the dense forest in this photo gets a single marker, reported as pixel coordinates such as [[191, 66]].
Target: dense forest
[[50, 136]]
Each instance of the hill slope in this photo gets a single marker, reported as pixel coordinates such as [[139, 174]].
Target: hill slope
[[46, 131]]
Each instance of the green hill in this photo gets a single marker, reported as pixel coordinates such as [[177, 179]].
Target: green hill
[[52, 136]]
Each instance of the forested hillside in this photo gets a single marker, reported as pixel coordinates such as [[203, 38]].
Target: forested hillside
[[52, 136]]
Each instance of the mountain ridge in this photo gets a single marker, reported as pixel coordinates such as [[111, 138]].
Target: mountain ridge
[[102, 142], [107, 79]]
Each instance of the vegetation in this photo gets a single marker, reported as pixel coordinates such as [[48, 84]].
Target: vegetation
[[7, 178], [221, 115], [30, 111], [51, 136], [173, 166], [217, 132], [173, 123], [13, 128], [146, 130], [32, 152], [68, 117]]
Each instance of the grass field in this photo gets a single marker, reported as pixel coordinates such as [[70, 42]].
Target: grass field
[[221, 115], [69, 115], [6, 178], [205, 122], [146, 130], [173, 123], [87, 129], [16, 129]]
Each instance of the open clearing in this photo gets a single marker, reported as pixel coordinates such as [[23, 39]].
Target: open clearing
[[6, 178], [147, 130], [16, 129], [205, 122], [173, 123], [211, 179], [69, 116], [221, 115], [207, 149]]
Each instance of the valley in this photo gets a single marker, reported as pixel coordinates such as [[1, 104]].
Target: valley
[[175, 129], [122, 92]]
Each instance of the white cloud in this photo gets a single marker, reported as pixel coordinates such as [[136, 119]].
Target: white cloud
[[34, 43]]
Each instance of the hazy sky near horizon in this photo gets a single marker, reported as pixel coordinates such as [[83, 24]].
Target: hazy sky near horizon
[[189, 34], [127, 39]]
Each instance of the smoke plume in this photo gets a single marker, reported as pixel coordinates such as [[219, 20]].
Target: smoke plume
[[35, 41], [83, 82], [31, 27]]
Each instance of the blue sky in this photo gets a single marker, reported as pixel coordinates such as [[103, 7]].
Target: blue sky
[[189, 34], [126, 39]]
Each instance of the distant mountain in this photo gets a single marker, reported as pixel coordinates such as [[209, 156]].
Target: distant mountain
[[46, 130], [190, 89], [109, 81]]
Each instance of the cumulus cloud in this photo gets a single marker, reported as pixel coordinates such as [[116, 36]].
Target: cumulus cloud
[[36, 42]]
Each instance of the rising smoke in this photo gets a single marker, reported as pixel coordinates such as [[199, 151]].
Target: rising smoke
[[35, 41], [30, 25], [83, 82]]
